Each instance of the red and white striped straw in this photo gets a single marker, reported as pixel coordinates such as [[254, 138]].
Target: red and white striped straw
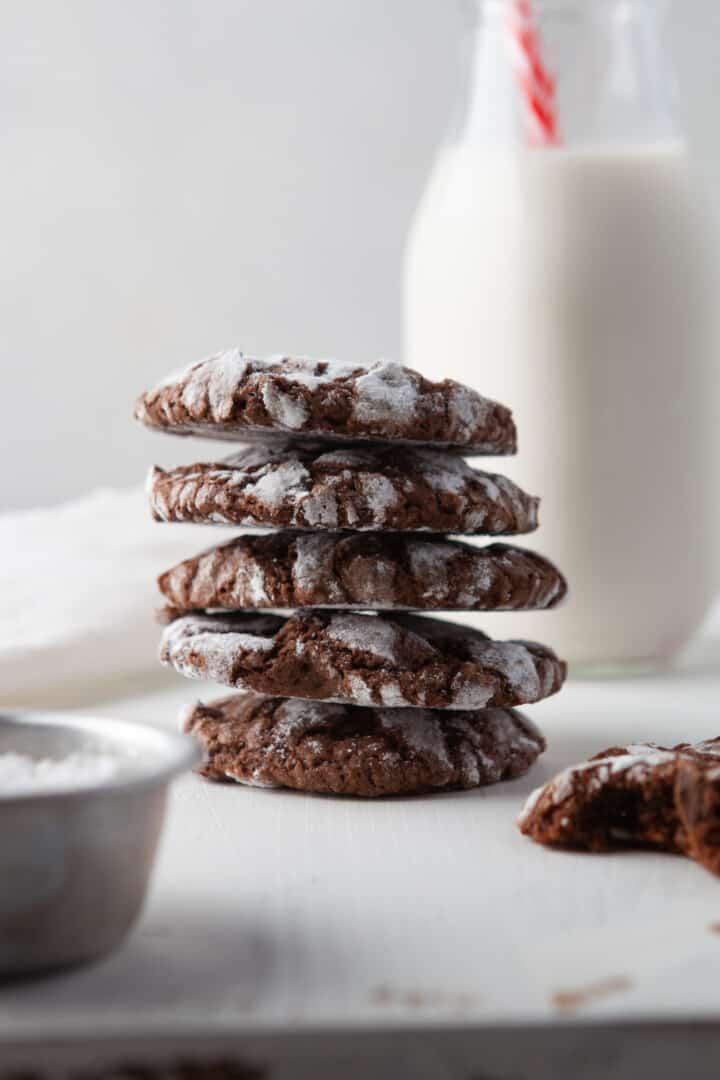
[[535, 81]]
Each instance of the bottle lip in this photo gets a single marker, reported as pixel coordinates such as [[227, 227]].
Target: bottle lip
[[578, 5], [600, 9]]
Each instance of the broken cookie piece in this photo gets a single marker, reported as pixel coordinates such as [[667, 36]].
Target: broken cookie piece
[[697, 798], [635, 796]]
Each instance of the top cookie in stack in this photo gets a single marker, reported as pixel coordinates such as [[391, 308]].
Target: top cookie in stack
[[400, 703], [237, 397]]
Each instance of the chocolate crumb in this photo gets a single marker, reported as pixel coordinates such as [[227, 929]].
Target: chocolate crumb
[[570, 1000]]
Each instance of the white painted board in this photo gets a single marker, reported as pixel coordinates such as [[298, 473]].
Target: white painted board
[[276, 911]]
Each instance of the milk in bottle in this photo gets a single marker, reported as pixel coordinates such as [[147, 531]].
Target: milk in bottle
[[573, 280]]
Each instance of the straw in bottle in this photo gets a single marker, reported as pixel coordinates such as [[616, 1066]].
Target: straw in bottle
[[536, 84]]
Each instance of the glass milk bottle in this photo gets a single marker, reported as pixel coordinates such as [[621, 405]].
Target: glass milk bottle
[[561, 262]]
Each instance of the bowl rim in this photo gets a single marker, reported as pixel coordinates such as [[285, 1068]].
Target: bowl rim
[[172, 752]]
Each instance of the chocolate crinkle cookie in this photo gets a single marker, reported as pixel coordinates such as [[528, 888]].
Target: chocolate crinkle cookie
[[233, 396], [634, 796], [309, 486], [361, 659], [362, 570], [345, 750], [697, 798]]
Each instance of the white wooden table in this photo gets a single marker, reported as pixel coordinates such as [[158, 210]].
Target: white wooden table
[[410, 937]]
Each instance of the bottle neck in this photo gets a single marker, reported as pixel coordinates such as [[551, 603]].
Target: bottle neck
[[596, 68]]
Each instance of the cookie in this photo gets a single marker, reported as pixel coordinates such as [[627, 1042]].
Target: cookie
[[344, 750], [697, 798], [362, 570], [393, 489], [391, 660], [625, 796], [232, 396]]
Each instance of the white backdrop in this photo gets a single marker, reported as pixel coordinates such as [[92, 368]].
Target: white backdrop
[[181, 175]]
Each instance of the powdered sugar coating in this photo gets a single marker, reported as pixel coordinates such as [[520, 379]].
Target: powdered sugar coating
[[380, 494], [361, 570], [343, 749], [320, 510], [221, 646], [429, 563], [513, 661], [251, 781], [230, 395], [313, 566], [386, 391], [374, 636], [444, 472], [709, 747], [220, 378], [367, 659], [309, 487], [638, 760], [287, 410], [275, 484], [642, 794], [421, 731]]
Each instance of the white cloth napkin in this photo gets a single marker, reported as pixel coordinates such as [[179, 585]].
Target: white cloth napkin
[[78, 594]]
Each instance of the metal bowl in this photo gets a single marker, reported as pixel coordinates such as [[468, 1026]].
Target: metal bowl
[[75, 864]]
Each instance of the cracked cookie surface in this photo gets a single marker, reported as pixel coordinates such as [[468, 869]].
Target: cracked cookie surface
[[640, 795], [362, 659], [362, 570], [394, 489], [237, 397], [346, 750]]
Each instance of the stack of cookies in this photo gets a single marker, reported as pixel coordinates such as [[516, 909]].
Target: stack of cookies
[[359, 473]]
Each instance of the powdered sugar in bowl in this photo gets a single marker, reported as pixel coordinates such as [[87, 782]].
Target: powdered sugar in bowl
[[82, 802]]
